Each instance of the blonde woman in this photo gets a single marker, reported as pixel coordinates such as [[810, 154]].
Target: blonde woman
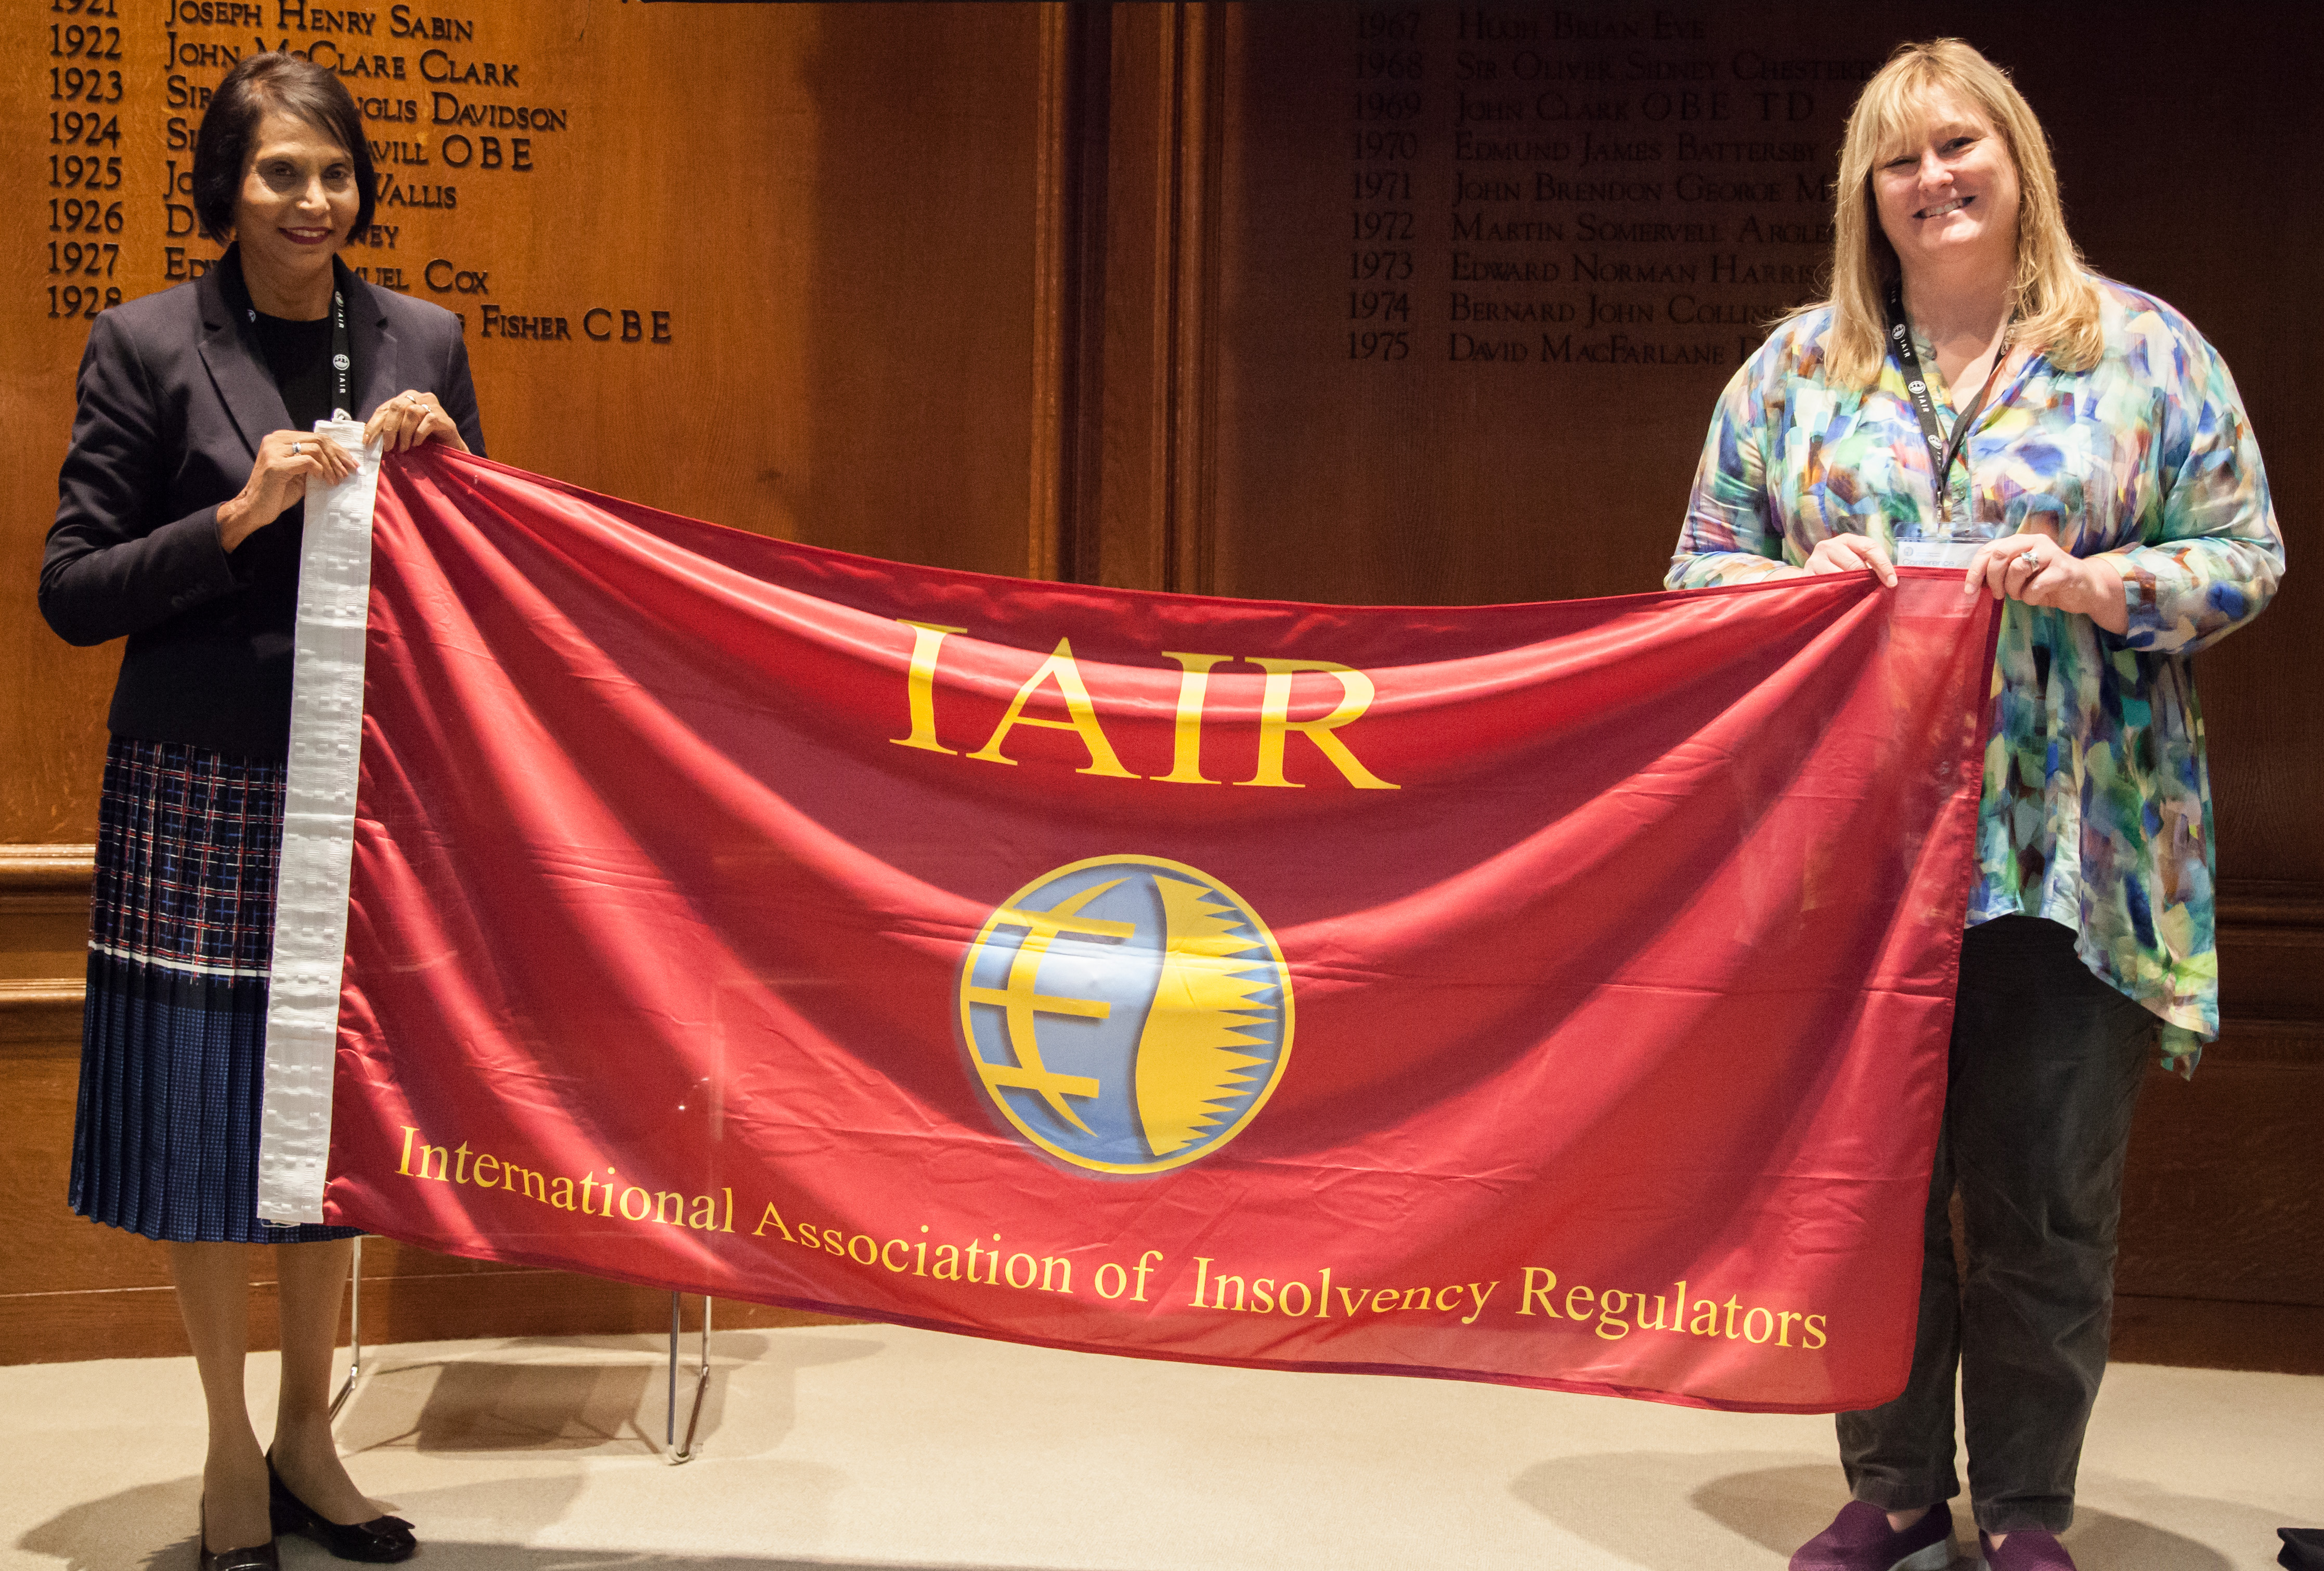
[[1971, 396]]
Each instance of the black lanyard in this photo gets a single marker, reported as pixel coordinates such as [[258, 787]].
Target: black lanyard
[[1942, 450], [343, 397]]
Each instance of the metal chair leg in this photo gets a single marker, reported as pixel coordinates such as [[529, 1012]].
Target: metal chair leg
[[354, 1332], [685, 1453]]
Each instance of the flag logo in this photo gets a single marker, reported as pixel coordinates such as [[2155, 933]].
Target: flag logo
[[1127, 1014]]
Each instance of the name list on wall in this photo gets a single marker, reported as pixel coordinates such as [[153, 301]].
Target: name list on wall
[[1566, 188], [1484, 268], [462, 115]]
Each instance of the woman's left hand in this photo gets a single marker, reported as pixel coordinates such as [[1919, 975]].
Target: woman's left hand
[[2031, 566], [409, 419]]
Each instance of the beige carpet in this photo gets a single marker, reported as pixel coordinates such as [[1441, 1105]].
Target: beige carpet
[[866, 1445]]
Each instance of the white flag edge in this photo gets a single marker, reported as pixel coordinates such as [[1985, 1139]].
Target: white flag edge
[[318, 822]]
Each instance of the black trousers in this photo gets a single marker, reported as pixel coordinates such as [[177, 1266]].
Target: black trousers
[[2045, 1066]]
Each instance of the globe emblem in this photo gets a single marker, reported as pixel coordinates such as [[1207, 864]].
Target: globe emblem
[[1127, 1014], [341, 362]]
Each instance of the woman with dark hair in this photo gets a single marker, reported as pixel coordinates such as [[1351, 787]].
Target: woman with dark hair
[[177, 527], [1972, 397]]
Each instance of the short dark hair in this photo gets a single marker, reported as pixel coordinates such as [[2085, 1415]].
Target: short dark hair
[[285, 85]]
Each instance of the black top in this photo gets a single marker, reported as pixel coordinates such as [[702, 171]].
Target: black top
[[265, 615], [299, 355], [176, 390]]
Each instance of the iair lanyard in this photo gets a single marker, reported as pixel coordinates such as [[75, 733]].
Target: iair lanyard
[[1942, 450], [343, 397]]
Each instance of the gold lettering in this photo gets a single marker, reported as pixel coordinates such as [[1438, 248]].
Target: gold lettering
[[947, 1266], [560, 1194], [1548, 1286], [1080, 715], [920, 684], [776, 1218], [705, 1214], [1186, 736], [1276, 725]]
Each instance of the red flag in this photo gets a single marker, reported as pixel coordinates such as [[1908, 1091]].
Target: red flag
[[1551, 994]]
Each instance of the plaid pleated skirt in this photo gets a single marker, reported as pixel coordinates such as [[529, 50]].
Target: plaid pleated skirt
[[173, 1042]]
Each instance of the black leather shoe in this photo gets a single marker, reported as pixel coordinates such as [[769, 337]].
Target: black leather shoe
[[378, 1541], [257, 1557]]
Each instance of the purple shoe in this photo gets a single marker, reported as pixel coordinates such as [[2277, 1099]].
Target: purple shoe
[[2028, 1549], [1860, 1539]]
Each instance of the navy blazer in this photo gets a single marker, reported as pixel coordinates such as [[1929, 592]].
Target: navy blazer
[[174, 398]]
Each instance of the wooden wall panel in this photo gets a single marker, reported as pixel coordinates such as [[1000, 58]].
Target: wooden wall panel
[[838, 210], [1067, 290], [1659, 169], [834, 214]]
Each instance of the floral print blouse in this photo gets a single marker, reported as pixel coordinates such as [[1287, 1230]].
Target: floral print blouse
[[2097, 810]]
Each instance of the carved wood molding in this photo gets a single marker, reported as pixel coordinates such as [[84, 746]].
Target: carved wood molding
[[1152, 128], [44, 890], [2263, 903], [36, 992], [1053, 324], [47, 869], [1195, 144]]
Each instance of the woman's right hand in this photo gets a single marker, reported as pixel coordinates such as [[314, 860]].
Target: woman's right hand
[[1851, 553], [278, 479]]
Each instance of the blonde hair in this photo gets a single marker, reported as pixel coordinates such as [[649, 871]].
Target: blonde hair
[[2052, 296]]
